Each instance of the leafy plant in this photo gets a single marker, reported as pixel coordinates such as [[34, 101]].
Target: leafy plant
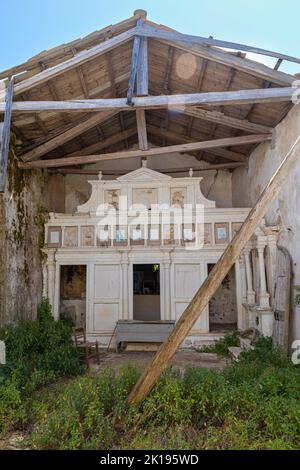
[[221, 346], [37, 352]]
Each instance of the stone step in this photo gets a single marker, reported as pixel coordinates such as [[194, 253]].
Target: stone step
[[235, 351], [246, 344]]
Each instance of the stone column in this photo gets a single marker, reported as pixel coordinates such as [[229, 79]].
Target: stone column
[[56, 302], [45, 280], [264, 298], [51, 277], [166, 314], [125, 293], [250, 291], [272, 251], [241, 292]]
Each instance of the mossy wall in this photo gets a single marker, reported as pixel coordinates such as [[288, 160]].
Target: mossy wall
[[22, 217]]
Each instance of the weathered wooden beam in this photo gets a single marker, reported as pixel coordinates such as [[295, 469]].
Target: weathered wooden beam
[[98, 146], [215, 277], [80, 160], [142, 78], [142, 129], [79, 59], [66, 136], [223, 98], [133, 68], [253, 68], [177, 138], [150, 31], [224, 120], [86, 171], [5, 135]]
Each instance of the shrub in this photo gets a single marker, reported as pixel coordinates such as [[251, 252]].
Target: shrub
[[37, 352], [87, 412], [221, 346]]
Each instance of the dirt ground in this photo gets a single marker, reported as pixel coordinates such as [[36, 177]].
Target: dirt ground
[[181, 360]]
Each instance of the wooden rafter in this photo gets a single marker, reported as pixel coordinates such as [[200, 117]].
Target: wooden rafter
[[142, 76], [219, 117], [150, 31], [222, 98], [243, 140], [198, 90], [81, 58], [105, 143], [142, 129], [251, 67], [66, 136], [177, 138]]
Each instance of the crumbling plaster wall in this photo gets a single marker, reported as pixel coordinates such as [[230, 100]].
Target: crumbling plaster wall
[[22, 218], [216, 185], [248, 182]]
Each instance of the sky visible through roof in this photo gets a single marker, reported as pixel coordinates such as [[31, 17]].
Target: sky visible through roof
[[30, 26]]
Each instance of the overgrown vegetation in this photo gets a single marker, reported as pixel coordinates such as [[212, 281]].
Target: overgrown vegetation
[[252, 404], [38, 352], [221, 346]]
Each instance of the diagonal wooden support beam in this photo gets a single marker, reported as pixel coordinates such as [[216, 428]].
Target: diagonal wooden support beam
[[215, 277], [142, 77], [5, 135], [150, 31], [219, 117], [216, 151], [79, 59], [53, 162], [133, 68], [183, 42], [98, 146], [66, 136]]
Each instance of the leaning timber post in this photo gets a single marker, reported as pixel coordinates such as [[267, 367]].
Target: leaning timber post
[[216, 276], [5, 135]]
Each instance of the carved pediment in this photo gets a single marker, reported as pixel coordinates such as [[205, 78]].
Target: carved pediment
[[143, 174]]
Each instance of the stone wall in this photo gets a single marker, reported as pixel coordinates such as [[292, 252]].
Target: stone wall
[[248, 182], [223, 306], [22, 218]]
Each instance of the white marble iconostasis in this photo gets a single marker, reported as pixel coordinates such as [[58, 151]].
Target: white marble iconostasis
[[75, 239]]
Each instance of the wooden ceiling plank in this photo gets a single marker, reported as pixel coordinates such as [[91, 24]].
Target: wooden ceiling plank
[[79, 160]]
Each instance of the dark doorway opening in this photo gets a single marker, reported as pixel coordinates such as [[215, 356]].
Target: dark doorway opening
[[146, 292], [73, 294], [223, 306]]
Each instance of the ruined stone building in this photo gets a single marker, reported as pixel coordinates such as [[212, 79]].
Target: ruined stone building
[[138, 115]]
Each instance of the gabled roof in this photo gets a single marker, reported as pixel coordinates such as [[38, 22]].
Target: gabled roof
[[175, 67]]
